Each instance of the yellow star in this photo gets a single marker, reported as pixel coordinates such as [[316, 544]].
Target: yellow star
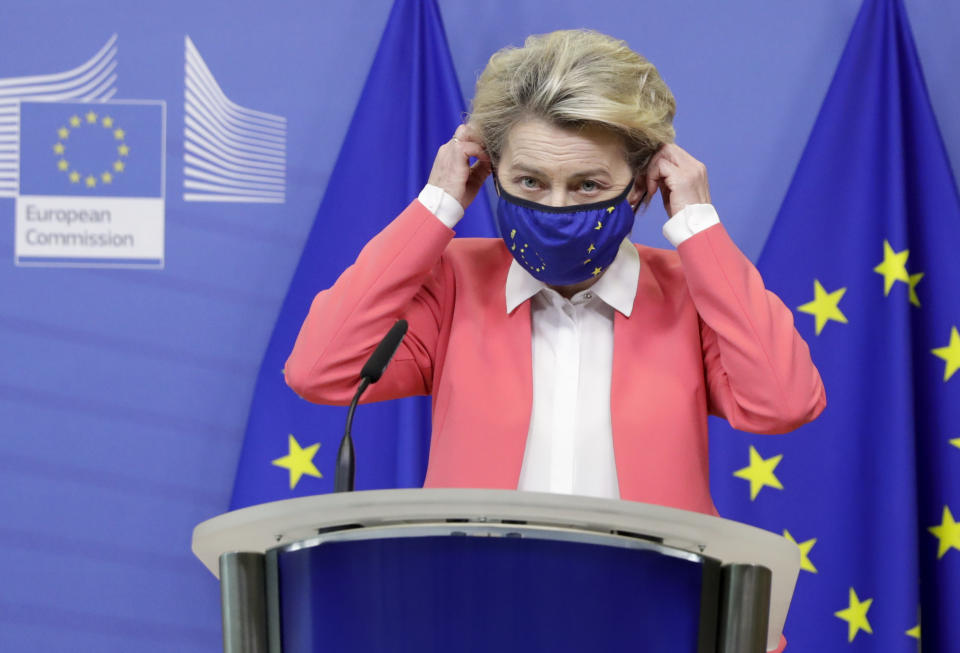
[[74, 177], [950, 353], [914, 632], [118, 166], [587, 261], [58, 148], [825, 306], [599, 226], [804, 547], [893, 268], [591, 248], [597, 271], [123, 150], [119, 134], [513, 233], [63, 132], [91, 181], [299, 461], [610, 210], [955, 442], [74, 121], [760, 473], [62, 164], [107, 122], [914, 280], [948, 532], [856, 616], [91, 117], [106, 177]]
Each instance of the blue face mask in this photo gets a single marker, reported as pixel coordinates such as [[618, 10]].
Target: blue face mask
[[564, 245]]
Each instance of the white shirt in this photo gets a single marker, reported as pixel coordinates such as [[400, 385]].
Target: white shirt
[[570, 442], [569, 446]]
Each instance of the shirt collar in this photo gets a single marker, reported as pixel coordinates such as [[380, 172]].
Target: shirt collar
[[617, 286]]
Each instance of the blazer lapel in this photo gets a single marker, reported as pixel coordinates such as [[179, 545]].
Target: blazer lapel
[[628, 400], [516, 397]]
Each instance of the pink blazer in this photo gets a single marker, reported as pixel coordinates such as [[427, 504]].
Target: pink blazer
[[704, 337]]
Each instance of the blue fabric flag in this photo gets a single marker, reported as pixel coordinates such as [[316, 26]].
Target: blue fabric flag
[[410, 105], [864, 251]]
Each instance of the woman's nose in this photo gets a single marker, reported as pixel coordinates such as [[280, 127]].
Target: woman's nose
[[558, 197]]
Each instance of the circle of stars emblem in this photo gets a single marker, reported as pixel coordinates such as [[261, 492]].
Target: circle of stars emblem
[[87, 178]]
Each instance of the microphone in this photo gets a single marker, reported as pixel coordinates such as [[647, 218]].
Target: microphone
[[381, 356], [371, 373]]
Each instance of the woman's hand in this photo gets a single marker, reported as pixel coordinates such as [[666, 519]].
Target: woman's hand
[[452, 170], [682, 180]]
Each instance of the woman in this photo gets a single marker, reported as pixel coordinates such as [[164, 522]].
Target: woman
[[562, 357]]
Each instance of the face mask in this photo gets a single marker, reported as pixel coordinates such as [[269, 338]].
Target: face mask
[[564, 245]]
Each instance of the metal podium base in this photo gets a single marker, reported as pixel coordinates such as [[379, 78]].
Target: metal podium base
[[738, 595], [243, 601]]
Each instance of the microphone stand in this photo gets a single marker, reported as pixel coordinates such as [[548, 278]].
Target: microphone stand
[[371, 373], [346, 465]]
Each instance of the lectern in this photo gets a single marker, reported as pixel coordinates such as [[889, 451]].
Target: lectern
[[454, 570]]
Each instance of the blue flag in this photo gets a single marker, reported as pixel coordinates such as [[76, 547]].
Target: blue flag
[[410, 105], [97, 149], [864, 251]]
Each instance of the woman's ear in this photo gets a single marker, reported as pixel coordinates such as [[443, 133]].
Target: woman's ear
[[637, 194]]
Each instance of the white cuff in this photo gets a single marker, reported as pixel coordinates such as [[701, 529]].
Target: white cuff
[[442, 204], [690, 220]]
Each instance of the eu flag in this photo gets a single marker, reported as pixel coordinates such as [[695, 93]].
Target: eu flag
[[410, 105], [101, 149], [865, 252]]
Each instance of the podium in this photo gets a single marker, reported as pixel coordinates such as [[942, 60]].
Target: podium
[[451, 570]]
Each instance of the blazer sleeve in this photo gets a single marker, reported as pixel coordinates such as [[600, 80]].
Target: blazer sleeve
[[759, 373], [398, 274]]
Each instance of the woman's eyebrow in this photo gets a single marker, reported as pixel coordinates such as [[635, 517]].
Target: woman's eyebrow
[[595, 172], [533, 171], [540, 173]]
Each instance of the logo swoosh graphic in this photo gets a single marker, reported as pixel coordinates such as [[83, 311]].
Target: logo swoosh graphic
[[231, 153]]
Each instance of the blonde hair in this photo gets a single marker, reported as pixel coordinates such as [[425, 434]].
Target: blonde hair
[[573, 78]]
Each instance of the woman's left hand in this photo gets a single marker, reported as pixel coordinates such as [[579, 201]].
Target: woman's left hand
[[682, 180]]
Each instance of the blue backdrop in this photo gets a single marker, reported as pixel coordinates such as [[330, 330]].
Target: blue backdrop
[[124, 393]]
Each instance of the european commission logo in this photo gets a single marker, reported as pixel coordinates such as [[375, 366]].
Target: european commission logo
[[91, 188], [87, 171]]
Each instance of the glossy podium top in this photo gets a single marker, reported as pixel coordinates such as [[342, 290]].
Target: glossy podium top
[[281, 523]]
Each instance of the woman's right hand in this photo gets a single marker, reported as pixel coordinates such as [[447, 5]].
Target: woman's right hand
[[452, 170]]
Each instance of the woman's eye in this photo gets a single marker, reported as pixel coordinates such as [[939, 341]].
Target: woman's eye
[[528, 182], [588, 186]]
